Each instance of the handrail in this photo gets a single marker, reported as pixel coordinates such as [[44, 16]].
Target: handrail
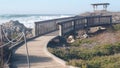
[[10, 42], [9, 39], [26, 47], [19, 37], [77, 18], [54, 20]]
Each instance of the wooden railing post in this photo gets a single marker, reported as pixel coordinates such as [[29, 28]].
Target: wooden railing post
[[38, 29], [60, 30], [111, 20], [35, 29], [74, 29]]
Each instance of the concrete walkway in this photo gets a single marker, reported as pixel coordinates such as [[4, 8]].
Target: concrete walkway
[[37, 54]]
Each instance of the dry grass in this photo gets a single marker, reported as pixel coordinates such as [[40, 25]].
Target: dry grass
[[101, 38], [107, 37]]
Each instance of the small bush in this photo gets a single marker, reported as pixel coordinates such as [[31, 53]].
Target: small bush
[[116, 27], [80, 42], [107, 49], [104, 62], [78, 63]]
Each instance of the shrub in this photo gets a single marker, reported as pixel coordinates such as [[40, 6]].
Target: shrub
[[100, 56], [116, 27], [76, 43], [78, 63], [107, 49], [104, 62], [80, 42]]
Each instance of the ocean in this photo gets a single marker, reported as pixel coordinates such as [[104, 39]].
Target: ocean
[[29, 19]]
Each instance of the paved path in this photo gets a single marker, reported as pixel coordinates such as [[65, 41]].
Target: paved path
[[38, 56]]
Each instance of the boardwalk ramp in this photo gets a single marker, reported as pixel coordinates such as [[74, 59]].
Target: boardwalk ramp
[[37, 54]]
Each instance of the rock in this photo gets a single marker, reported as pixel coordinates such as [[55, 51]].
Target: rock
[[16, 27], [70, 39], [80, 34], [85, 36]]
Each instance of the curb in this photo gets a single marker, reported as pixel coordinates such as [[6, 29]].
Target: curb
[[57, 58], [53, 56]]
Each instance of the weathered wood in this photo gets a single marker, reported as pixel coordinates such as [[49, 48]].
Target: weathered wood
[[71, 24], [47, 26], [83, 22]]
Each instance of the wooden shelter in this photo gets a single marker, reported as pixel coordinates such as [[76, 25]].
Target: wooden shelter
[[105, 5]]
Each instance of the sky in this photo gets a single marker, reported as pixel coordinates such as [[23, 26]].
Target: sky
[[52, 6]]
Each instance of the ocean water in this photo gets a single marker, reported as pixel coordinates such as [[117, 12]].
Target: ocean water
[[29, 19]]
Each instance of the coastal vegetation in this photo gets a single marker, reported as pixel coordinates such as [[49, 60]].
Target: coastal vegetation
[[99, 51]]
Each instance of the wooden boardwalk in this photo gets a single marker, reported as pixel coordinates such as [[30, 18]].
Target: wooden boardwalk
[[39, 57], [37, 54]]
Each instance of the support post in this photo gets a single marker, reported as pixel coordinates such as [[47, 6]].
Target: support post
[[111, 20], [38, 29], [87, 27], [74, 29], [60, 30], [35, 29]]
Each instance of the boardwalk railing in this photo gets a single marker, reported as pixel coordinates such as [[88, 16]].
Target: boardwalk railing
[[44, 27], [66, 27], [99, 20]]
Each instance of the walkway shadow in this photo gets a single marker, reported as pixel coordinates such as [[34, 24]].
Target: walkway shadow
[[33, 59], [33, 40]]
